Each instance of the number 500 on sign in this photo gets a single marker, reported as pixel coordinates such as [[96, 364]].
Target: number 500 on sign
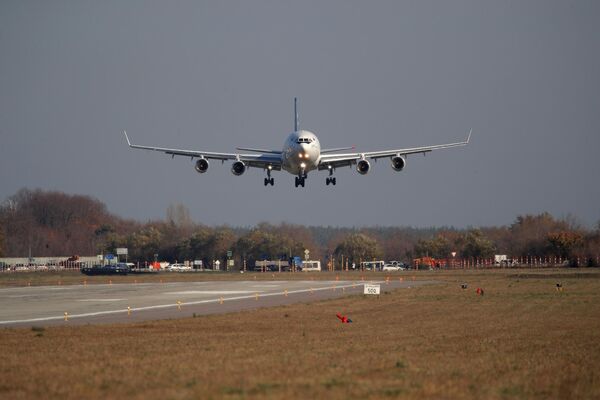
[[372, 289]]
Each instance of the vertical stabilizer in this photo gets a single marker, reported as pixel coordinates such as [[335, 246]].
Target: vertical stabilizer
[[296, 120]]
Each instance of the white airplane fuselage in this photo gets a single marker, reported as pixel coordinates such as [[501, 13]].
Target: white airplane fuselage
[[301, 152]]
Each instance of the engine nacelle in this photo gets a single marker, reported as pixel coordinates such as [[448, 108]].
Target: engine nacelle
[[398, 163], [238, 168], [202, 165], [363, 167]]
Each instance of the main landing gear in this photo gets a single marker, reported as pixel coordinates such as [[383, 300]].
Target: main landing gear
[[268, 179], [330, 179]]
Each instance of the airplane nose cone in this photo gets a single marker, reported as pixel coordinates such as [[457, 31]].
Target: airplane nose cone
[[305, 152]]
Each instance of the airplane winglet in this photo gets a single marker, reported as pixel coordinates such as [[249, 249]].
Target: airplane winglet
[[469, 137], [127, 137]]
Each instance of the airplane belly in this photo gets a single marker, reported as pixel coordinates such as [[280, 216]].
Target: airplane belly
[[295, 167]]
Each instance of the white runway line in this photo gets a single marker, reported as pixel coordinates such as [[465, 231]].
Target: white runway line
[[109, 300], [95, 314], [210, 292]]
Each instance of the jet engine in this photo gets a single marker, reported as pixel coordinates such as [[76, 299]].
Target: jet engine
[[398, 163], [202, 165], [363, 167], [238, 168]]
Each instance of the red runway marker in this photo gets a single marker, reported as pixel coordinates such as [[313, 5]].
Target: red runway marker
[[343, 318]]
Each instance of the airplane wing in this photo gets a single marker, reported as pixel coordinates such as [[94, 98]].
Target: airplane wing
[[342, 160], [272, 160]]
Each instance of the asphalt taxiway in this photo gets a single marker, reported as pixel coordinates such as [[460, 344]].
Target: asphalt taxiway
[[93, 304]]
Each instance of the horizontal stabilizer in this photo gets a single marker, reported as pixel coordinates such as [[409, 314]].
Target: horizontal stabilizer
[[338, 149], [259, 150]]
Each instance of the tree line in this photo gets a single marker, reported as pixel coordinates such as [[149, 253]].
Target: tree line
[[50, 223]]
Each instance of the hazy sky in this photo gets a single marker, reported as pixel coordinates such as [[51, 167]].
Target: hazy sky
[[213, 75]]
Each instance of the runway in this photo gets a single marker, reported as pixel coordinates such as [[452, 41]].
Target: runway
[[119, 303]]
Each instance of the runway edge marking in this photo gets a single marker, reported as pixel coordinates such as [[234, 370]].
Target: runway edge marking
[[95, 314]]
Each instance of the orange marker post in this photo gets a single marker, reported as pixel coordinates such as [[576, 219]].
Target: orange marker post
[[179, 304], [128, 310], [66, 316], [221, 300], [256, 296], [285, 293]]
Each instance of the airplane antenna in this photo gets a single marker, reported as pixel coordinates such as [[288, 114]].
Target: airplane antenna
[[296, 119]]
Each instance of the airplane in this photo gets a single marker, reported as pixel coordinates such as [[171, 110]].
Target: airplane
[[301, 153]]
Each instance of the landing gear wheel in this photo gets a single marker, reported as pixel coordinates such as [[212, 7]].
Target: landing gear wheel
[[333, 181], [330, 180], [272, 181], [296, 181], [266, 181]]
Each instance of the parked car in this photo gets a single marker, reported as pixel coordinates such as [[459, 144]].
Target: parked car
[[178, 267], [394, 266], [109, 269]]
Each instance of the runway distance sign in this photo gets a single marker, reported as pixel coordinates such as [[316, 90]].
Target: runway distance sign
[[371, 288]]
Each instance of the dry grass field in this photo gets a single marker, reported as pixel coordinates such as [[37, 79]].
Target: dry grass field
[[521, 339]]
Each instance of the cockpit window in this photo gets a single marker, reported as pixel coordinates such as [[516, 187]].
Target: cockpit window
[[304, 140]]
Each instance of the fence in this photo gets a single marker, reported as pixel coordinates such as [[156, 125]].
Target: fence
[[62, 266], [517, 262]]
